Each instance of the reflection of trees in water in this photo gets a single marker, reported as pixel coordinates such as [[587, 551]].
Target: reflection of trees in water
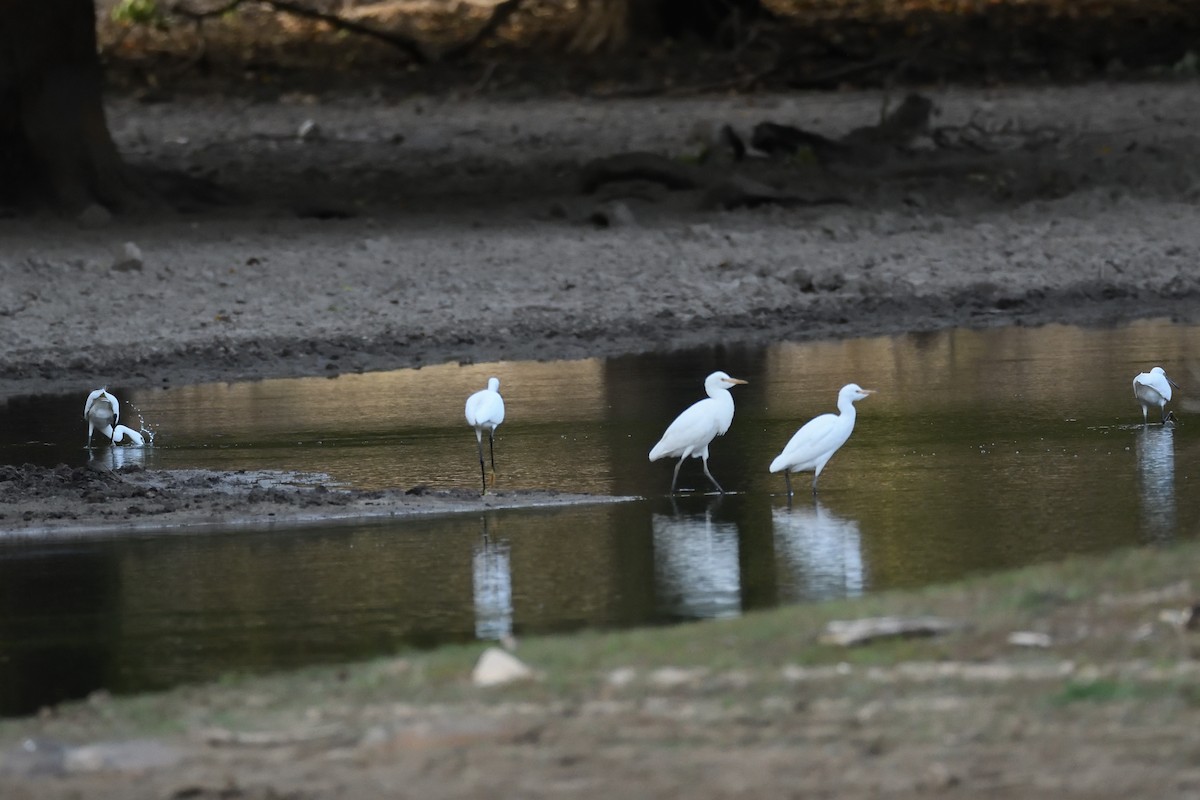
[[696, 567], [822, 553], [1156, 480], [492, 582]]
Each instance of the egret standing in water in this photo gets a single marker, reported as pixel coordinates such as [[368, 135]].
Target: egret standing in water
[[815, 443], [101, 411], [485, 411], [1153, 388], [691, 432]]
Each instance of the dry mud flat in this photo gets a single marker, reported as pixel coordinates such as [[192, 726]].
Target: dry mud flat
[[373, 232]]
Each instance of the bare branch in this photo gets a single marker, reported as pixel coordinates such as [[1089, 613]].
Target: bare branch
[[500, 15], [410, 46]]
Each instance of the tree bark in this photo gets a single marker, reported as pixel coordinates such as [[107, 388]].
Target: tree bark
[[615, 24], [55, 145]]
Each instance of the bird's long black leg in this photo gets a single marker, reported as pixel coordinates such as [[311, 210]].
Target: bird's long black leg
[[710, 477], [787, 479], [675, 477], [492, 453], [482, 468]]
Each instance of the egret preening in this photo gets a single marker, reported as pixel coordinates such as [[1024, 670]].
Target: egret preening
[[101, 411], [485, 411], [815, 443], [1153, 388], [691, 432]]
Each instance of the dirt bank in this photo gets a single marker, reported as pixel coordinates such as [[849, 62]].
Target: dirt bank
[[81, 501], [317, 234]]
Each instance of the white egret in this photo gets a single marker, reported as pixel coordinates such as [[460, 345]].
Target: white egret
[[1153, 388], [815, 443], [691, 432], [485, 411], [101, 411]]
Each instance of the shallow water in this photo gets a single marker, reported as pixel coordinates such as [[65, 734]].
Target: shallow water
[[981, 451]]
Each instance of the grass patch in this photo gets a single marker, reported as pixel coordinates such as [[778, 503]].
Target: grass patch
[[1100, 691]]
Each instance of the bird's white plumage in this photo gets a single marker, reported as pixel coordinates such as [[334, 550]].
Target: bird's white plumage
[[485, 408], [485, 412], [121, 433], [814, 444], [101, 408], [694, 429], [1152, 389], [101, 411]]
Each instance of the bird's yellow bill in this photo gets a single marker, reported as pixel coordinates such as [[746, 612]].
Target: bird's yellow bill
[[734, 380]]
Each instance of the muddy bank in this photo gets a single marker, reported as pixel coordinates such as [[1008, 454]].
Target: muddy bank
[[66, 501], [302, 234]]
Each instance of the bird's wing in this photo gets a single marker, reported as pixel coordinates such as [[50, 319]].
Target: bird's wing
[[491, 410], [694, 428], [91, 398], [485, 408], [96, 400], [815, 438], [1159, 383], [1148, 388], [472, 406]]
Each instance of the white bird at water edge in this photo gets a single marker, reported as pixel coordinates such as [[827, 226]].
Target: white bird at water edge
[[693, 430], [101, 411], [1153, 388], [814, 444], [485, 411]]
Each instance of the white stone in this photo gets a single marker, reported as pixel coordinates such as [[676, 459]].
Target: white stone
[[497, 667]]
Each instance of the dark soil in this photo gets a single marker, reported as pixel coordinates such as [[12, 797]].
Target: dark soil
[[65, 501]]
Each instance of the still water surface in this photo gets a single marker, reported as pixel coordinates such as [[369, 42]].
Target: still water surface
[[982, 450]]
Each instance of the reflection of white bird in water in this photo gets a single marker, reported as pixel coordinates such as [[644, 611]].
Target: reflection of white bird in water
[[822, 553], [491, 578], [1153, 388], [102, 411], [1155, 448], [691, 432], [697, 572], [485, 411], [814, 444]]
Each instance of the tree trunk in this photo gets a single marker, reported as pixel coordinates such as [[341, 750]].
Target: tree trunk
[[614, 24], [54, 141]]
